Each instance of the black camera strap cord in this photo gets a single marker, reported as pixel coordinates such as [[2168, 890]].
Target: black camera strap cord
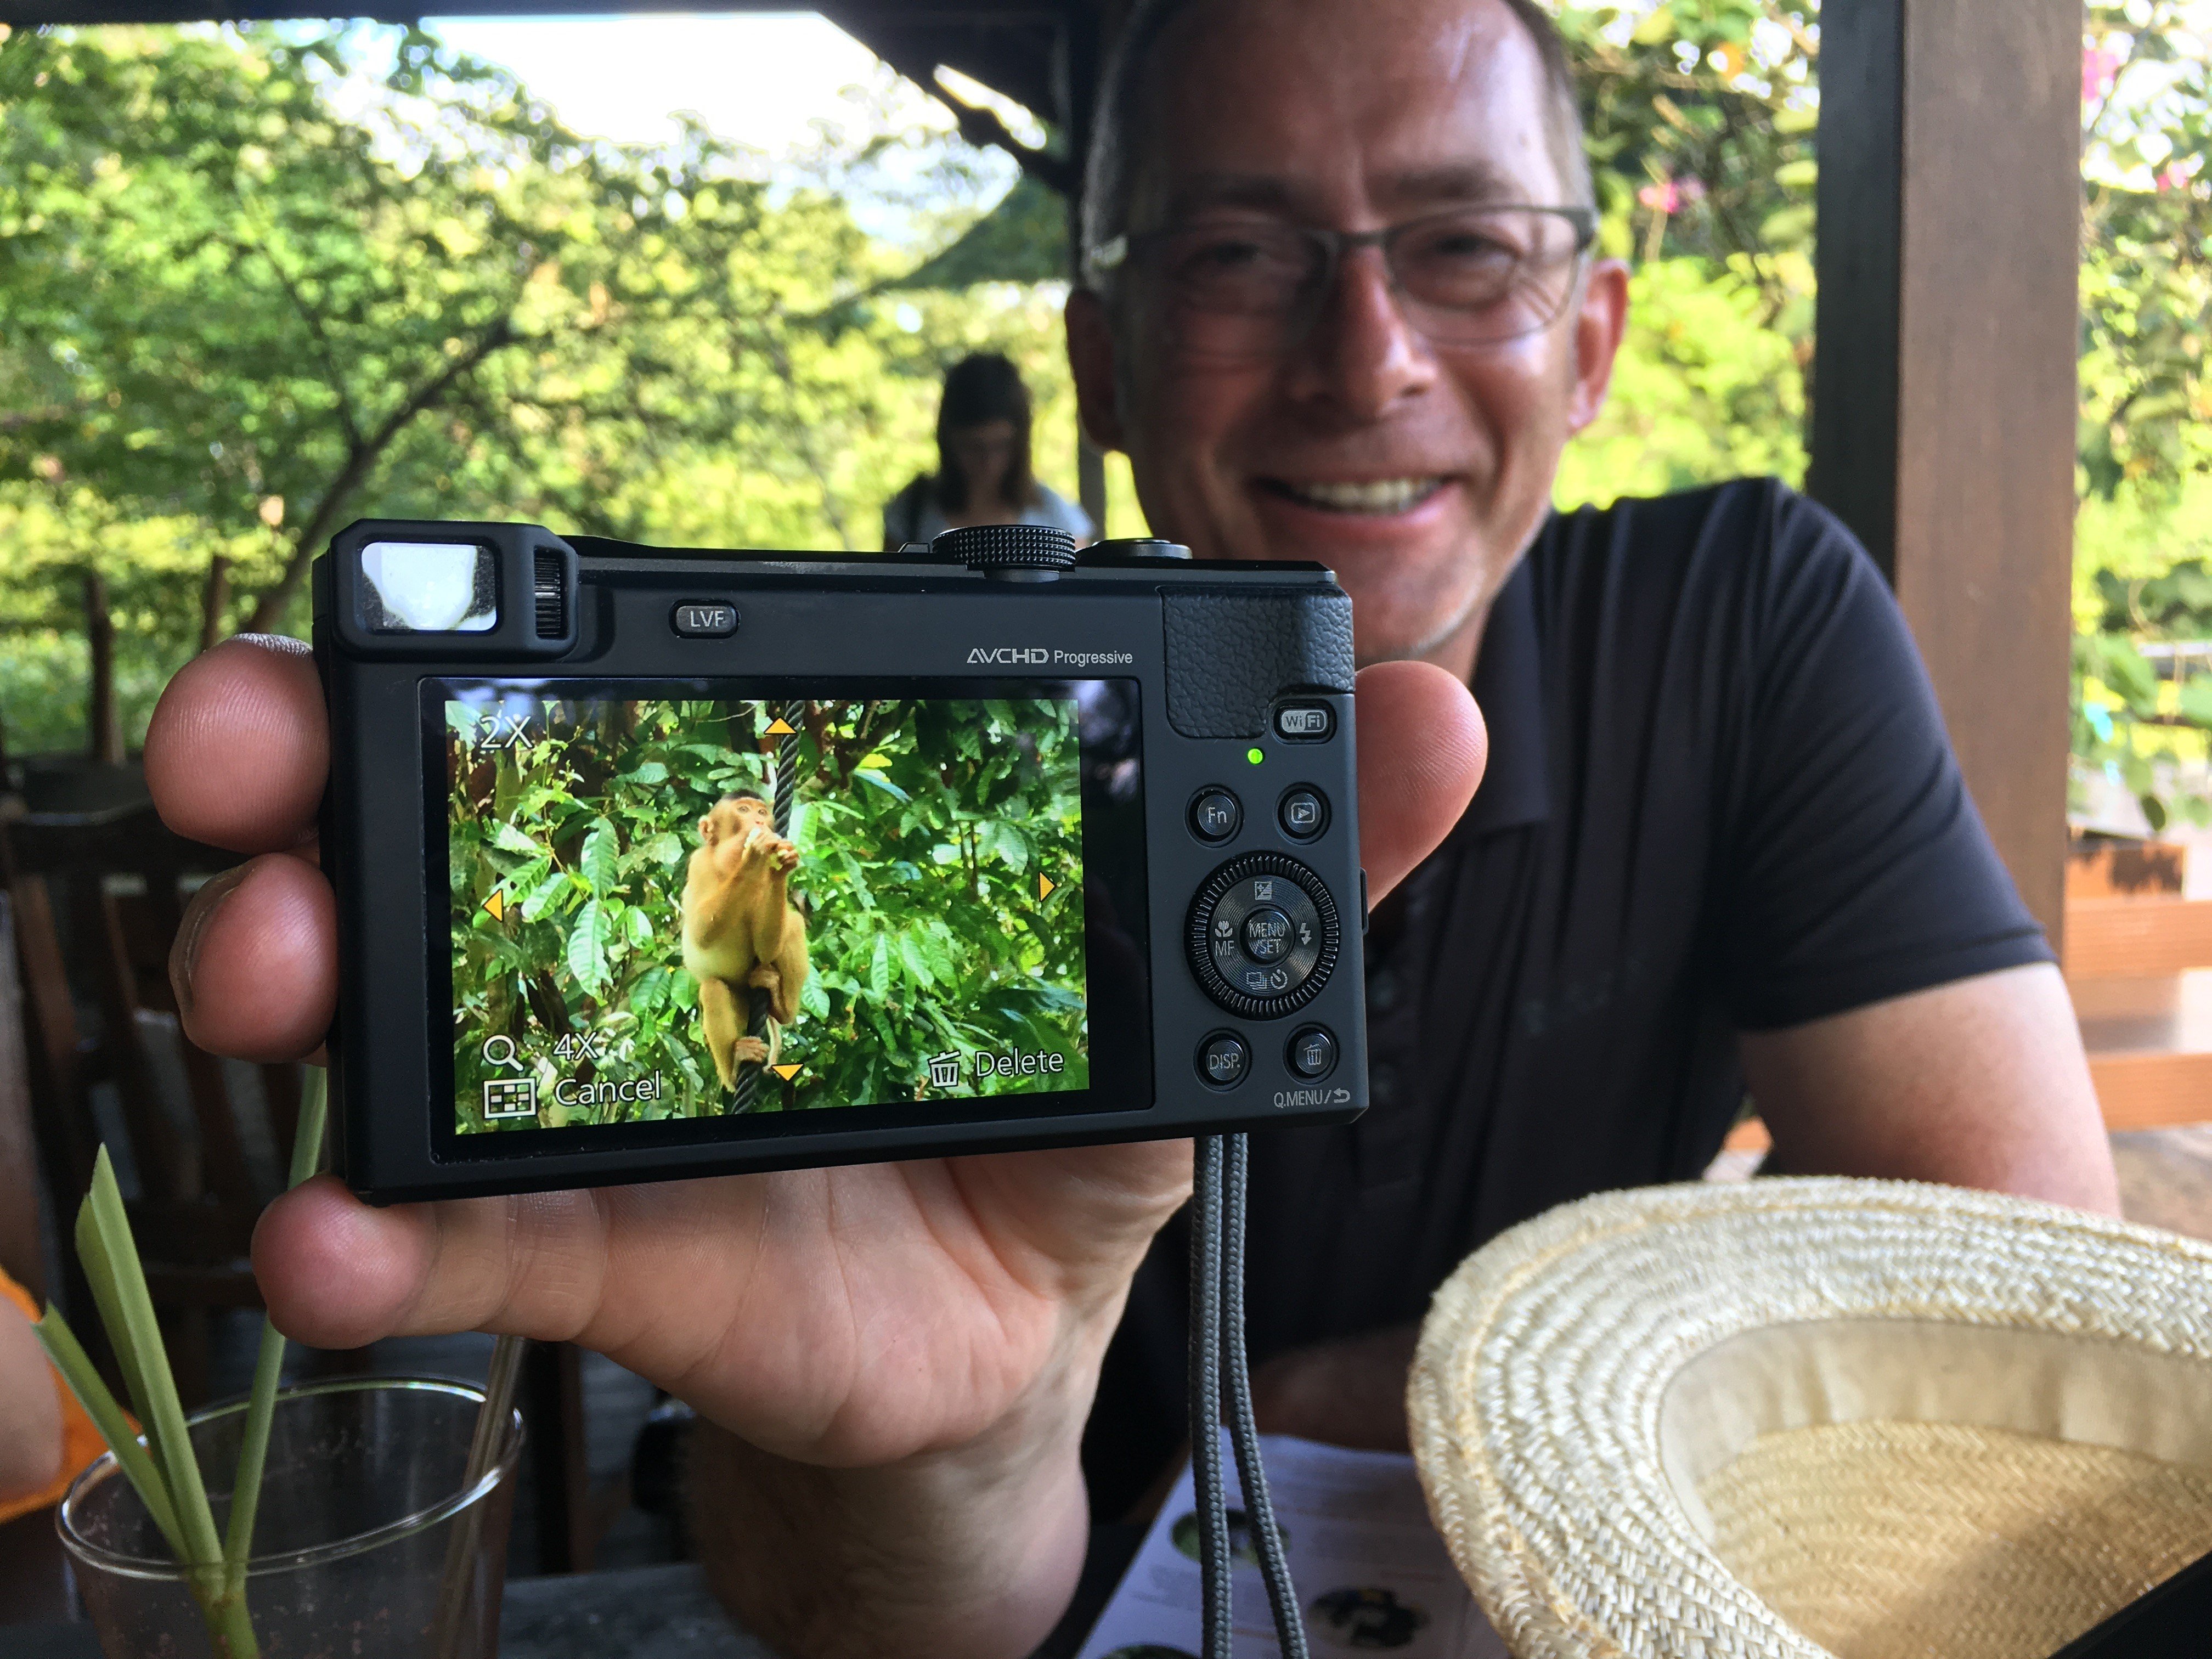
[[1218, 1376]]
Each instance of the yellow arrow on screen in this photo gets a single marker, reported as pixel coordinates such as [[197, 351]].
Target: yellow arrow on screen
[[1046, 885], [496, 906], [787, 1073], [778, 728]]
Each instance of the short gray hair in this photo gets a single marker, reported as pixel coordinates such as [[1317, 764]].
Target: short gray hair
[[1110, 170]]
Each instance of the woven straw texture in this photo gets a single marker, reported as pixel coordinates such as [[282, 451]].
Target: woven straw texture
[[1792, 1418]]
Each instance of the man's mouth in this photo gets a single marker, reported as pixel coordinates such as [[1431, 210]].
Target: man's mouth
[[1375, 496]]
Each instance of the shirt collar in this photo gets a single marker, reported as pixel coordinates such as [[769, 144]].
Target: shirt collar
[[1509, 689]]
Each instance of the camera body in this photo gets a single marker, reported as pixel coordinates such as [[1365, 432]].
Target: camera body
[[655, 863]]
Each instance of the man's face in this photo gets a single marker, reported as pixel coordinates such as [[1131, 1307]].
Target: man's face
[[1417, 472]]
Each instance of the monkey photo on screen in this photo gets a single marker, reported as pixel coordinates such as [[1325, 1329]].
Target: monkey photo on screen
[[636, 940], [741, 933]]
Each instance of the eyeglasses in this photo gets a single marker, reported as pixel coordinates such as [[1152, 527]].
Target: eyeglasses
[[1255, 288]]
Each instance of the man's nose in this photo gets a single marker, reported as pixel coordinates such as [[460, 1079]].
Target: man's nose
[[1362, 354]]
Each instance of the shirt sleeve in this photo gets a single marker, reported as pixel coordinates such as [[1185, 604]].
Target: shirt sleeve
[[81, 1441], [1054, 509], [1856, 868]]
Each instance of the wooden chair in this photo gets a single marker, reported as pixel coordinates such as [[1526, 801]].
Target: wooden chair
[[2133, 943], [34, 1581], [97, 899]]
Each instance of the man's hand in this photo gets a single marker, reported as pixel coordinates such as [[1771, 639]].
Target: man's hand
[[934, 1326]]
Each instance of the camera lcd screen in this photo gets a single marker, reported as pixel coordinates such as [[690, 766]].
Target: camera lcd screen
[[672, 903]]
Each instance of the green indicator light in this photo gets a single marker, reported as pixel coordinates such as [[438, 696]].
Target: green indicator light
[[1253, 756]]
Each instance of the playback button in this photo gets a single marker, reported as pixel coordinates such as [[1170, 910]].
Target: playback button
[[1302, 812]]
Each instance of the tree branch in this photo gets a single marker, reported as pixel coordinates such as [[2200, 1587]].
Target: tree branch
[[360, 458], [323, 347]]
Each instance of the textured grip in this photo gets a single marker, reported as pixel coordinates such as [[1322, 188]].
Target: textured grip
[[1230, 655]]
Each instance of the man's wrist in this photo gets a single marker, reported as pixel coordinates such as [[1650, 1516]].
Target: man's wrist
[[972, 1550]]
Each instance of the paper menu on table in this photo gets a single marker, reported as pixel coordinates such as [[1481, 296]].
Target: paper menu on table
[[1372, 1575]]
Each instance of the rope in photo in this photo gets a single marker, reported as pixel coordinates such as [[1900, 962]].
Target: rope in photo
[[786, 781]]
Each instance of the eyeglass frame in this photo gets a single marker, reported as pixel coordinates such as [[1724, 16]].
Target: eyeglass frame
[[1112, 255]]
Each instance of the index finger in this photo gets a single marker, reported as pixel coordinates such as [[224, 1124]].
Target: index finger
[[238, 746]]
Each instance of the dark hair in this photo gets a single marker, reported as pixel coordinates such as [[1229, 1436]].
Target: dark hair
[[1110, 168], [978, 389]]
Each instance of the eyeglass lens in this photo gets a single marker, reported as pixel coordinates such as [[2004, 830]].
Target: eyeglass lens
[[1249, 287]]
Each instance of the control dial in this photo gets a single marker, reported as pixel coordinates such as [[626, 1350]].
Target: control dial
[[1006, 546], [1262, 935]]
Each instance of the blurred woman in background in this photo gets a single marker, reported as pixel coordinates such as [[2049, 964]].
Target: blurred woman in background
[[982, 473]]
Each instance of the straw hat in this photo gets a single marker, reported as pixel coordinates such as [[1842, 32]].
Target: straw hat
[[1788, 1419]]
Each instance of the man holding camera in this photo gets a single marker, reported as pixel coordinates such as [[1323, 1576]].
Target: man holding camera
[[1341, 306]]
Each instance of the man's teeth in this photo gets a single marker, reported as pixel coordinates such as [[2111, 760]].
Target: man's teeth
[[1382, 495]]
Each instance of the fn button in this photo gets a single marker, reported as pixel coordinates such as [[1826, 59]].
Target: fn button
[[1216, 815]]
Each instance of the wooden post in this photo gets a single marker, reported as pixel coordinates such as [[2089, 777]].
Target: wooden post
[[215, 600], [103, 738], [1944, 401]]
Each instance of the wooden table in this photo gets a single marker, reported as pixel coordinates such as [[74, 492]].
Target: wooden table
[[645, 1613]]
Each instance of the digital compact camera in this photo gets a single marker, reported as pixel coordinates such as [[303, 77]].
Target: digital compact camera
[[653, 863]]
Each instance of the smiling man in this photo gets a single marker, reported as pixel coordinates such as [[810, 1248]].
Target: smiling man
[[1341, 306], [1343, 309]]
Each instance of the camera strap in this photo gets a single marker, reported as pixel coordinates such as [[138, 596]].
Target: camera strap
[[1219, 1377]]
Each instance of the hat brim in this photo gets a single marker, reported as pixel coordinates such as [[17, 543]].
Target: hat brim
[[1588, 1380]]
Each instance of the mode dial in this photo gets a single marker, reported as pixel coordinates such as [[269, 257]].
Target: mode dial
[[1262, 935], [1006, 546]]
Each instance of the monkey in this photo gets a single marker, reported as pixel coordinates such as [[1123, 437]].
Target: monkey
[[741, 933]]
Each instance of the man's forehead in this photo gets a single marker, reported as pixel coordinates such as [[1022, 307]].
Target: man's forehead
[[1314, 108]]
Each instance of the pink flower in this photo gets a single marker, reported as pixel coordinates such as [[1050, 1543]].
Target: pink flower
[[1671, 195], [2175, 177], [2099, 65]]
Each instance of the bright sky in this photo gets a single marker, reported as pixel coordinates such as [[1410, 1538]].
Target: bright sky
[[758, 78]]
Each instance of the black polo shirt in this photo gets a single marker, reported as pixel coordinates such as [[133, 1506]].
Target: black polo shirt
[[1719, 799]]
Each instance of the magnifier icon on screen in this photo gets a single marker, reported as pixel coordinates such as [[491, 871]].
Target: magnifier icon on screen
[[499, 1051]]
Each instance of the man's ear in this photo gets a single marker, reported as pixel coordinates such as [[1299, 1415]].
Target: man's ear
[[1090, 359], [1599, 325]]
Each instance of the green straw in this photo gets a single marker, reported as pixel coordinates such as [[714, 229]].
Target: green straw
[[261, 1406]]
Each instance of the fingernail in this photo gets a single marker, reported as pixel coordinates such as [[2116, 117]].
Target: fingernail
[[184, 954]]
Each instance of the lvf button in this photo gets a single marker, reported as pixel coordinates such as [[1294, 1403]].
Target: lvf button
[[704, 619], [1305, 722], [1215, 815], [1312, 1053], [1223, 1059]]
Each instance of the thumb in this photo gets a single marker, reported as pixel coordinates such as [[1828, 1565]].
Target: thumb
[[1422, 745]]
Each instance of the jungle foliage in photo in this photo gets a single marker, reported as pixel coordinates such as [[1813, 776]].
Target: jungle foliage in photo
[[922, 827]]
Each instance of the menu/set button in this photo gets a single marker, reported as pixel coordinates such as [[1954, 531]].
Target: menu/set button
[[1267, 935], [700, 619], [1223, 1059], [1216, 815]]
